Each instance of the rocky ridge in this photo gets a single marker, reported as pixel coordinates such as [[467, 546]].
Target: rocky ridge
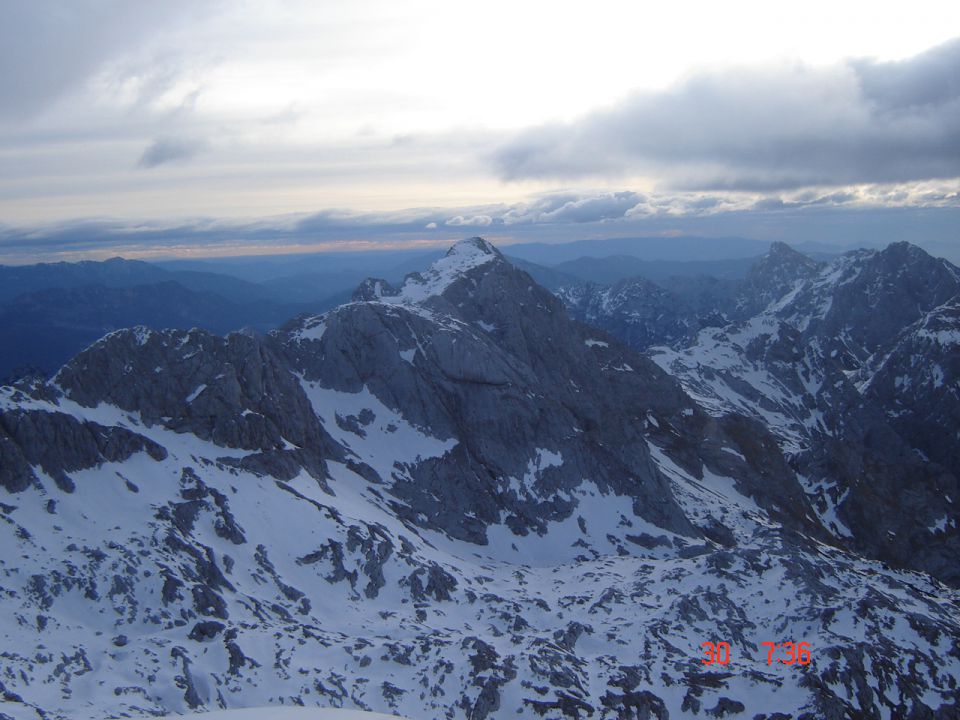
[[850, 368]]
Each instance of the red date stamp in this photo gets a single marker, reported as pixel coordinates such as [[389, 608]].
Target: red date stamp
[[785, 653]]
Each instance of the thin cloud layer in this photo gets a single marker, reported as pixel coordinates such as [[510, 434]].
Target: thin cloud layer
[[891, 212], [753, 129]]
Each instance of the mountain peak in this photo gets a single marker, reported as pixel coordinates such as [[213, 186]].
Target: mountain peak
[[780, 248], [473, 247], [780, 251], [461, 258], [773, 276], [903, 251], [780, 259]]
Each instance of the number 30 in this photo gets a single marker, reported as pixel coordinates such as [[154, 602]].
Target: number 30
[[716, 653]]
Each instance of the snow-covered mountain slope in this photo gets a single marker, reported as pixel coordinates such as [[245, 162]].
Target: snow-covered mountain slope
[[854, 370], [457, 504], [205, 585], [288, 713], [917, 383], [461, 258]]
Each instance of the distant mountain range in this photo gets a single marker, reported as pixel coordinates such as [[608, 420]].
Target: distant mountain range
[[49, 312], [119, 273]]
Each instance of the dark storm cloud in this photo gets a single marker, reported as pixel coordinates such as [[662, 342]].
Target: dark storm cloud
[[929, 79], [334, 223], [50, 47], [170, 149], [861, 121]]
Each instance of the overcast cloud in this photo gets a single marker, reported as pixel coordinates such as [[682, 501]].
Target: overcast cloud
[[147, 114], [49, 48], [754, 128]]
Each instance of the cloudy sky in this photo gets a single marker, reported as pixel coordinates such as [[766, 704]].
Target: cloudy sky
[[226, 127]]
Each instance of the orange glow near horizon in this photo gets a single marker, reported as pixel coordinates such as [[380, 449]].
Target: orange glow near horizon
[[245, 249]]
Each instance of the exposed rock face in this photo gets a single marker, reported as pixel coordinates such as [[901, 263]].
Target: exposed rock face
[[852, 369], [491, 360], [445, 499], [772, 277], [59, 443], [643, 314], [917, 383], [233, 391], [637, 311], [880, 293]]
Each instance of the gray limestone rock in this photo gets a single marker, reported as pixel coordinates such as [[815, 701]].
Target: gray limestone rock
[[58, 444], [498, 366]]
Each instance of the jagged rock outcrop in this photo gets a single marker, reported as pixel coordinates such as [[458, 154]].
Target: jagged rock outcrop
[[845, 367], [58, 443], [773, 276], [643, 314], [233, 391], [917, 383], [637, 311]]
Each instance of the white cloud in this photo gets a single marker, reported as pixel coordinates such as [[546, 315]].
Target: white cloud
[[771, 128], [52, 48], [471, 221], [608, 206]]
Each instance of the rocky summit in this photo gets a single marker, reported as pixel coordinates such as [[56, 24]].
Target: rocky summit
[[449, 499]]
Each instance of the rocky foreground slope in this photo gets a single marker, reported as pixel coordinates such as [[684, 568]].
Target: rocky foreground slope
[[442, 500]]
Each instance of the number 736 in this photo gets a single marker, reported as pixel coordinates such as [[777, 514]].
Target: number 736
[[796, 653]]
